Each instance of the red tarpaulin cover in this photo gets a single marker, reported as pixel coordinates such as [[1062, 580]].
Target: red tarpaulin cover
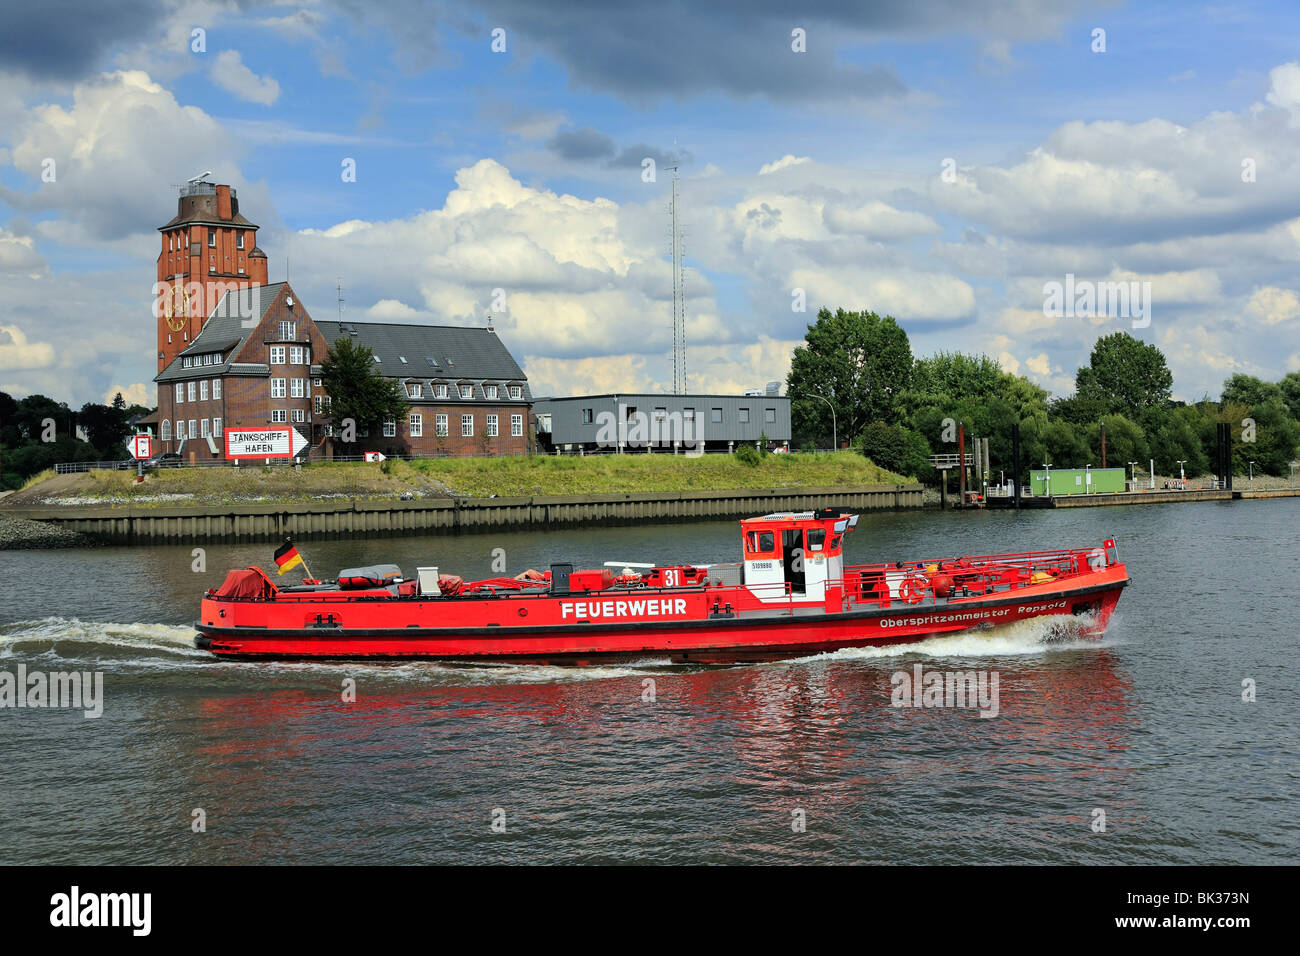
[[243, 583]]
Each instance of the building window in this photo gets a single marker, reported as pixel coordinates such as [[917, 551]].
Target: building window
[[207, 359], [287, 331], [216, 427], [490, 428], [277, 388], [206, 432], [715, 415], [661, 413], [516, 392], [170, 247], [328, 402], [299, 414], [295, 354], [467, 426], [180, 429], [187, 362], [587, 416], [278, 415], [390, 427], [180, 392], [440, 391], [688, 414], [744, 416], [190, 391], [319, 405], [212, 270], [239, 240], [490, 391], [415, 390], [193, 430], [440, 425], [165, 430], [516, 425], [203, 390], [216, 389], [297, 388], [630, 412], [417, 425], [769, 414], [277, 354], [212, 238], [467, 391]]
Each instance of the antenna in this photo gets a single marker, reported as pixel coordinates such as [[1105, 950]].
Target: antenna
[[679, 289], [340, 287], [200, 176]]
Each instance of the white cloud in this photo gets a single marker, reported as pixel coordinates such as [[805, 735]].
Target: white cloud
[[1273, 305], [229, 73], [16, 352], [785, 162], [139, 393]]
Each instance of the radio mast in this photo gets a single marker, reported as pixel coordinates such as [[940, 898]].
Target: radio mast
[[679, 294]]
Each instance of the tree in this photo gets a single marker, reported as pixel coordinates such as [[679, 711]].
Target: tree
[[357, 391], [1251, 391], [106, 427], [1290, 388], [859, 362], [1124, 375], [896, 449], [1125, 441]]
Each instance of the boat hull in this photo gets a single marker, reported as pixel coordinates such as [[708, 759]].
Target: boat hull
[[750, 636]]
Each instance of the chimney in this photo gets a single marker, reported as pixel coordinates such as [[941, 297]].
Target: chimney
[[223, 202]]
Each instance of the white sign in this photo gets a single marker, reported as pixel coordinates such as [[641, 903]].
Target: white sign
[[374, 456], [141, 446], [273, 441]]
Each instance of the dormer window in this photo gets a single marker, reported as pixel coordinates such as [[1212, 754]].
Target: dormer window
[[440, 391], [516, 392], [402, 359], [467, 391], [433, 362], [490, 391], [415, 390]]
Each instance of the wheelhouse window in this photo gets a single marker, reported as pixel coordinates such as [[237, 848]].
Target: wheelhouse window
[[760, 542], [816, 538]]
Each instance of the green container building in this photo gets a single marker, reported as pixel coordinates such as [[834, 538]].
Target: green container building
[[1079, 481]]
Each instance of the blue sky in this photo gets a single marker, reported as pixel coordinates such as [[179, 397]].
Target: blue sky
[[521, 170]]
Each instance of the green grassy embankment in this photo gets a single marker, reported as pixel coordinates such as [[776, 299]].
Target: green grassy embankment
[[440, 478]]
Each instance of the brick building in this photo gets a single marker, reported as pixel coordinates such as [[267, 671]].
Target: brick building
[[254, 358]]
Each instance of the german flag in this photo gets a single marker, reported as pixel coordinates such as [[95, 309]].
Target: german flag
[[287, 556]]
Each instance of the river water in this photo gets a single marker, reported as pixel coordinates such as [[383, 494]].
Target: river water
[[799, 761]]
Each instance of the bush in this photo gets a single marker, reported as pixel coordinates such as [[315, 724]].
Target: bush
[[748, 454]]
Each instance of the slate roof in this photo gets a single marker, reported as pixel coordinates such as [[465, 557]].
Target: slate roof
[[469, 355], [224, 332]]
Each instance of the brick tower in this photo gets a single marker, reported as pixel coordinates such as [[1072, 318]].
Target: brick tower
[[207, 249]]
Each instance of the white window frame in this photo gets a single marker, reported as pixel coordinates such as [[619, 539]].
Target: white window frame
[[415, 390], [205, 428], [190, 391], [279, 416], [180, 393], [466, 391], [277, 355], [278, 388], [298, 415], [203, 390], [216, 428], [440, 424], [287, 330], [295, 355], [490, 426], [192, 431], [467, 426], [297, 388], [516, 392], [390, 427], [440, 391], [180, 429], [216, 389], [415, 425], [165, 430], [490, 391], [516, 426]]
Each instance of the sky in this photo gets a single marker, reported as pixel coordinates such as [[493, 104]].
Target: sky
[[944, 163]]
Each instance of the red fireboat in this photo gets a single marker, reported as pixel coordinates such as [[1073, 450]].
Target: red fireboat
[[790, 595]]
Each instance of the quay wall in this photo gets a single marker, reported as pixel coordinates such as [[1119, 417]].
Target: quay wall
[[356, 517]]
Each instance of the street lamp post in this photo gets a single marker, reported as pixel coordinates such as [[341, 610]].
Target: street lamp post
[[1134, 467], [1047, 478], [1087, 479], [835, 435], [1252, 476], [1182, 476]]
